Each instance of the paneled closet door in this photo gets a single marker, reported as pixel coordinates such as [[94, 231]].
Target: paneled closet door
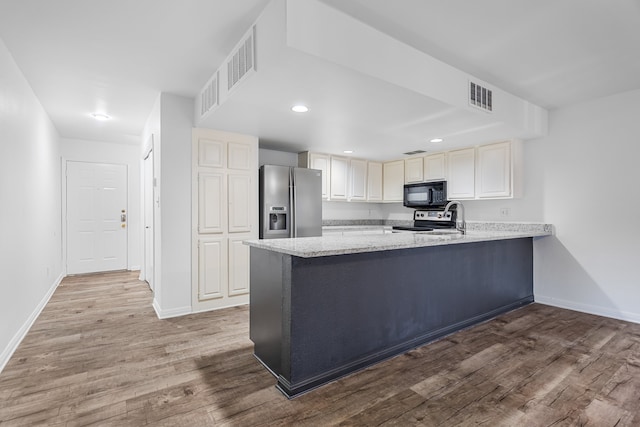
[[238, 266], [239, 203], [224, 214], [212, 271], [239, 156], [212, 153], [211, 203]]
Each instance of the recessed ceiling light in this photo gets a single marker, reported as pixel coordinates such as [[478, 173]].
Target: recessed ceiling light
[[300, 108], [348, 151], [100, 116], [437, 140]]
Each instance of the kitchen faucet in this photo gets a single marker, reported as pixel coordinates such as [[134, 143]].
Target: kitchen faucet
[[463, 225]]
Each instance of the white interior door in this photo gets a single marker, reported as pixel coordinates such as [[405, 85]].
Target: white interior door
[[148, 219], [96, 217]]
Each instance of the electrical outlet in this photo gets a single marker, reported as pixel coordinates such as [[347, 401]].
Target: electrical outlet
[[505, 212]]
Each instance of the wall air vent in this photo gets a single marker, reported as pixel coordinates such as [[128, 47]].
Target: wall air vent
[[209, 95], [410, 153], [480, 97], [242, 59]]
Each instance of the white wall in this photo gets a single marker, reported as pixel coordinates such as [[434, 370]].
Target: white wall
[[589, 176], [170, 123], [584, 179], [280, 158], [352, 210], [30, 208], [175, 202], [104, 152], [151, 139]]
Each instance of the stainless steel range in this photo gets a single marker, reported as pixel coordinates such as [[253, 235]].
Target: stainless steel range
[[429, 220]]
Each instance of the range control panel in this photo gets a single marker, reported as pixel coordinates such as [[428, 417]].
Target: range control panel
[[432, 216]]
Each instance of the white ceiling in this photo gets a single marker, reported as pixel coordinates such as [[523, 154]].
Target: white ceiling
[[82, 56]]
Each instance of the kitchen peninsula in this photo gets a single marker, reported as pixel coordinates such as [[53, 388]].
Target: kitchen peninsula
[[323, 307]]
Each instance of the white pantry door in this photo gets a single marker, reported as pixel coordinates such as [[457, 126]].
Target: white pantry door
[[96, 217]]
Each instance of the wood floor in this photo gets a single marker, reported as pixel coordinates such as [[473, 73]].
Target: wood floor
[[98, 355]]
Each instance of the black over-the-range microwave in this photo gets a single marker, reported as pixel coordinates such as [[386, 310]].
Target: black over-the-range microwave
[[425, 194]]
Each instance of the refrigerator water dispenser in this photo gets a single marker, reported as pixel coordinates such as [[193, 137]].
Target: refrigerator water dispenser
[[277, 221]]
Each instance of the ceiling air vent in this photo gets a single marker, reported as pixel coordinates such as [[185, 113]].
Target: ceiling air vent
[[410, 153], [480, 97], [209, 95], [242, 59]]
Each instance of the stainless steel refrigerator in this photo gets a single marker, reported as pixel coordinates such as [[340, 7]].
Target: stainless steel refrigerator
[[290, 202]]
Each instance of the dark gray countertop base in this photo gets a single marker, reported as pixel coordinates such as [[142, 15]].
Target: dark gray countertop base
[[313, 320]]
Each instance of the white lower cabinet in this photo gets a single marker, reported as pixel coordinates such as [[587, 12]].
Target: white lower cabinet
[[393, 181], [225, 212], [461, 170]]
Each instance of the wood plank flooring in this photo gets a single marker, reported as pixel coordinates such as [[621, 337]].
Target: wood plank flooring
[[98, 355]]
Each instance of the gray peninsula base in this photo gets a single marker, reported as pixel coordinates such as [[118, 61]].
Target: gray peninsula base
[[313, 320]]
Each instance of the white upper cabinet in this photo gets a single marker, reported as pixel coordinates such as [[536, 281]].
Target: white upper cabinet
[[393, 181], [358, 180], [374, 181], [413, 170], [339, 178], [490, 171], [320, 162], [435, 167], [461, 182], [494, 171]]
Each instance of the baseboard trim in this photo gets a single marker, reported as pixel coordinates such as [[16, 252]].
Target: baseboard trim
[[134, 268], [589, 309], [222, 307], [6, 354], [174, 312]]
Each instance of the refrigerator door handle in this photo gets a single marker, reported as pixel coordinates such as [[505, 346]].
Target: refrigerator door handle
[[292, 204]]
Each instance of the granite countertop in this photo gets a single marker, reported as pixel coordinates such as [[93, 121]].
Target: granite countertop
[[309, 247]]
